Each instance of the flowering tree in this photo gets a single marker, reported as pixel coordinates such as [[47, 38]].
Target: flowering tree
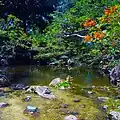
[[104, 33]]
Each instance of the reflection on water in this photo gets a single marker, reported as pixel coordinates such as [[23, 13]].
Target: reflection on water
[[33, 75], [88, 79]]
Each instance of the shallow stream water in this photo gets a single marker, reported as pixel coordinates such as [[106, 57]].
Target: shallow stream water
[[42, 75]]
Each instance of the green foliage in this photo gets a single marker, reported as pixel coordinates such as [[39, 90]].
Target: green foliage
[[65, 84], [51, 43]]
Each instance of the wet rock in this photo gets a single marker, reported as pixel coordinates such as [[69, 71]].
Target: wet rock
[[105, 107], [42, 91], [3, 62], [103, 99], [115, 75], [18, 87], [3, 104], [71, 117], [113, 115], [55, 81], [76, 100], [27, 99], [4, 81], [32, 110]]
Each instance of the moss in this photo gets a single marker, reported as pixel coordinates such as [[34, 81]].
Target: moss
[[113, 104], [49, 109]]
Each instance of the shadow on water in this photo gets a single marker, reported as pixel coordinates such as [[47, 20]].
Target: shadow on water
[[34, 75]]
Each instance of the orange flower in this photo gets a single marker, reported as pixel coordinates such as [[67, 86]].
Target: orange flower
[[98, 35], [113, 9], [107, 12], [87, 38], [89, 23]]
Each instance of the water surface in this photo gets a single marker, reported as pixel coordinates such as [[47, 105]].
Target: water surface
[[42, 75]]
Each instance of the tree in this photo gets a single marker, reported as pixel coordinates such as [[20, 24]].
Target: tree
[[29, 11]]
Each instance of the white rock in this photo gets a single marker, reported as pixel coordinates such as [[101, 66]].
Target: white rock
[[70, 117], [103, 99]]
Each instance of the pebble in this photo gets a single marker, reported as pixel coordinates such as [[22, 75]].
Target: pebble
[[82, 106], [105, 107], [64, 106], [71, 117], [76, 100], [90, 92], [27, 99]]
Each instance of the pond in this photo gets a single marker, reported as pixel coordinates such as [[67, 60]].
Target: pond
[[83, 79], [36, 75]]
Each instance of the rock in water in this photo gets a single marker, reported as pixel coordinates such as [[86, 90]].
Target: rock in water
[[4, 81], [55, 81], [115, 75], [113, 115], [70, 117], [18, 87]]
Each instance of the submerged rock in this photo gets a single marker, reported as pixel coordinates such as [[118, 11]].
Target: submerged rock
[[32, 110], [113, 115], [71, 117], [55, 81]]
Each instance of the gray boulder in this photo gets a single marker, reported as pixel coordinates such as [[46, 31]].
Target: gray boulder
[[42, 91], [55, 81], [113, 115], [115, 75]]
